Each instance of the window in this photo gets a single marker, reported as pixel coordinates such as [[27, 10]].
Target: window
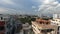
[[8, 33], [47, 23], [34, 29], [53, 20], [1, 28], [56, 20], [57, 24], [47, 30], [39, 29], [1, 18], [25, 31], [58, 27], [59, 21]]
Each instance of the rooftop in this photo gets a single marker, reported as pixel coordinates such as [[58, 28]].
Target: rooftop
[[43, 24], [42, 21]]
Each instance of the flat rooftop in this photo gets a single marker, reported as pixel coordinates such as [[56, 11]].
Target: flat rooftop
[[43, 24]]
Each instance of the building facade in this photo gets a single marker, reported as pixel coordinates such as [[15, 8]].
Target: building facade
[[41, 26], [26, 28], [56, 21]]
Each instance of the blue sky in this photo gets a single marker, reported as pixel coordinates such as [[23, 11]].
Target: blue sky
[[29, 6]]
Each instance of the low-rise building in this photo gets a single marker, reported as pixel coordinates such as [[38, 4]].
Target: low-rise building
[[26, 28]]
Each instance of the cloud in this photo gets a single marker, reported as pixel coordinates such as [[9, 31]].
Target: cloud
[[11, 11], [6, 2], [33, 7], [7, 11], [49, 7]]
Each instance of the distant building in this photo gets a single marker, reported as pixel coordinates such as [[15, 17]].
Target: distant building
[[4, 17], [9, 25], [55, 16], [3, 20], [41, 26]]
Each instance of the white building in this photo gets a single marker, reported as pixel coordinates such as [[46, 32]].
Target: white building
[[55, 16], [25, 28], [43, 27], [56, 21], [4, 17]]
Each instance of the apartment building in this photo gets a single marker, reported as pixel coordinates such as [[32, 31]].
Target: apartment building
[[41, 26], [56, 21]]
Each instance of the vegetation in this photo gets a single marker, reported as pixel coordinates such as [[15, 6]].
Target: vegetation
[[27, 19]]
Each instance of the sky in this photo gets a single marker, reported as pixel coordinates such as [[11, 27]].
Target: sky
[[32, 7]]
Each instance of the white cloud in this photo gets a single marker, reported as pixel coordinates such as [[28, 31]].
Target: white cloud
[[11, 11], [6, 2], [48, 1], [7, 11], [3, 10], [33, 7], [49, 6]]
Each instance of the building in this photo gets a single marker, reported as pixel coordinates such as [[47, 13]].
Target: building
[[56, 21], [2, 27], [13, 25], [55, 16], [41, 26], [3, 20], [9, 25], [4, 17], [26, 28]]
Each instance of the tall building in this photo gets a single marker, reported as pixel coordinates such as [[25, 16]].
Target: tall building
[[41, 26], [55, 16]]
